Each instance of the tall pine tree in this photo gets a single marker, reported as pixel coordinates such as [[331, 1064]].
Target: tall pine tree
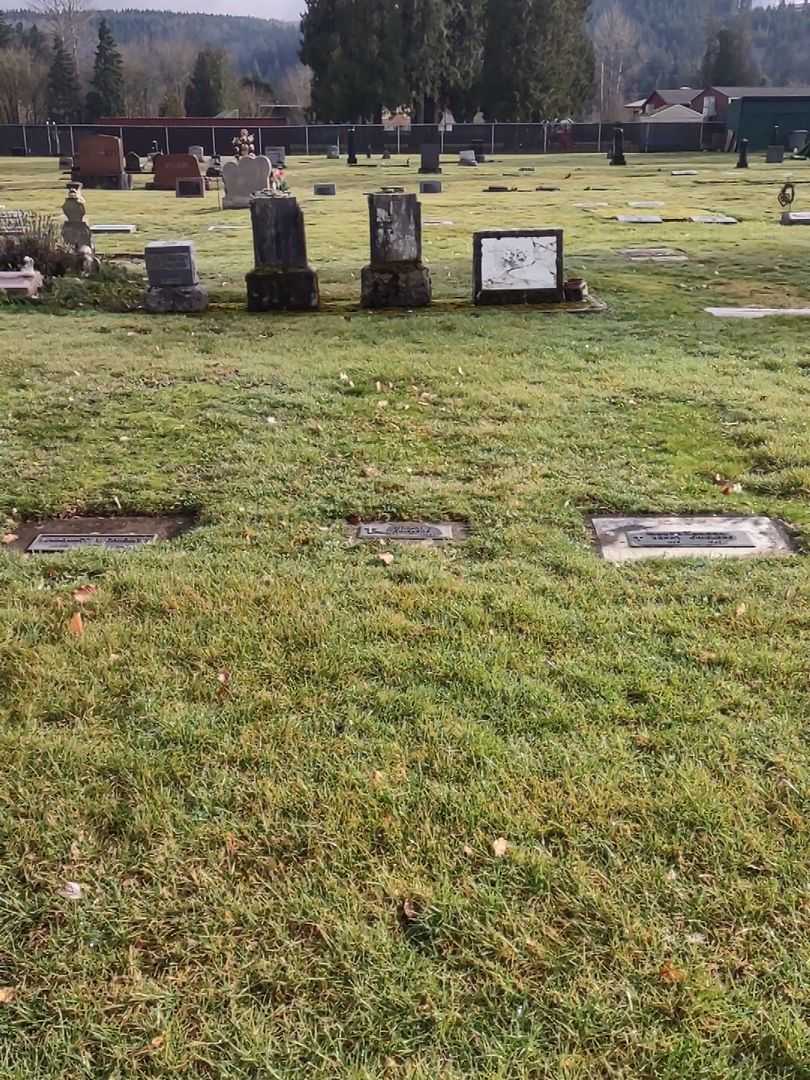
[[205, 93], [6, 33], [63, 94], [106, 94]]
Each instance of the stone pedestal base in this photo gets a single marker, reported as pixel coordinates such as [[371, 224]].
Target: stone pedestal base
[[276, 289], [120, 182], [175, 298], [617, 159], [405, 285]]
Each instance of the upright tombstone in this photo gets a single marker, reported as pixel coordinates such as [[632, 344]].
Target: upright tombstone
[[467, 157], [351, 147], [478, 150], [333, 153], [282, 279], [75, 231], [101, 163], [277, 155], [742, 159], [169, 168], [775, 154], [198, 152], [430, 158], [242, 179], [396, 276], [617, 150], [518, 266], [132, 162], [174, 284]]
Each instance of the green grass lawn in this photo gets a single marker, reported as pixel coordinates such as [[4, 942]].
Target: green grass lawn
[[282, 772]]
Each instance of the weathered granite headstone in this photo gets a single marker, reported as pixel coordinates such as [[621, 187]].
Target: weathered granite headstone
[[242, 178], [324, 189], [430, 187], [75, 230], [169, 168], [333, 153], [478, 150], [742, 160], [430, 158], [277, 155], [775, 155], [282, 279], [467, 157], [21, 284], [133, 162], [174, 284], [351, 147], [198, 152], [518, 266], [396, 276], [617, 151], [192, 187], [65, 163], [101, 163]]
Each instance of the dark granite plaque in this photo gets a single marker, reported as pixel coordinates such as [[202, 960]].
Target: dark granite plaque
[[55, 542], [681, 539], [404, 530], [171, 262]]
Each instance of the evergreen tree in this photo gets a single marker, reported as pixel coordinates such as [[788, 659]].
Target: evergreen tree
[[729, 60], [63, 95], [106, 94], [424, 45], [466, 31], [205, 93], [6, 33]]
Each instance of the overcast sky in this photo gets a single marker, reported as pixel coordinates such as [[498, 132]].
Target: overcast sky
[[267, 9]]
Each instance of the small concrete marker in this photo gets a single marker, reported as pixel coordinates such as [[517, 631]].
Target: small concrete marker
[[756, 312], [640, 219], [796, 217], [430, 187], [101, 230], [631, 539], [325, 189], [684, 172], [713, 219], [653, 254], [646, 205]]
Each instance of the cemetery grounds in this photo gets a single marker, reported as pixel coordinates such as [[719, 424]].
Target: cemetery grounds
[[498, 809]]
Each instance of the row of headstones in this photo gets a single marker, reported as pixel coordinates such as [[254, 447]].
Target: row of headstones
[[509, 266]]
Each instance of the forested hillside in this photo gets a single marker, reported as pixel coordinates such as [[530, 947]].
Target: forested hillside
[[648, 43]]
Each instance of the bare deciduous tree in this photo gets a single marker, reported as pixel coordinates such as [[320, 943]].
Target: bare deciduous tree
[[617, 45]]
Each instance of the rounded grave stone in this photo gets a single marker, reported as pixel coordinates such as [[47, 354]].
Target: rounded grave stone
[[325, 189], [430, 187]]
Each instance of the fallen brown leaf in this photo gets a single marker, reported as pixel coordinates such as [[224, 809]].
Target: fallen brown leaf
[[7, 994], [468, 851], [741, 609], [84, 593], [371, 472], [157, 1042], [671, 975], [76, 625], [410, 910], [9, 538], [385, 557], [500, 847]]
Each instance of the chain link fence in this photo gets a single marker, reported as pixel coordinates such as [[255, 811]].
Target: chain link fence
[[313, 139]]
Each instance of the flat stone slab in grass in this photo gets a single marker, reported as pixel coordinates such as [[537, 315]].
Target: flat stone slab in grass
[[646, 205], [713, 219], [410, 532], [757, 312], [111, 533], [640, 219], [714, 536], [796, 217], [100, 230], [591, 205], [684, 172], [653, 254]]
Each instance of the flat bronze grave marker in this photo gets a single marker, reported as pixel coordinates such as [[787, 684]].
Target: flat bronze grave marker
[[409, 532], [54, 542], [630, 539]]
